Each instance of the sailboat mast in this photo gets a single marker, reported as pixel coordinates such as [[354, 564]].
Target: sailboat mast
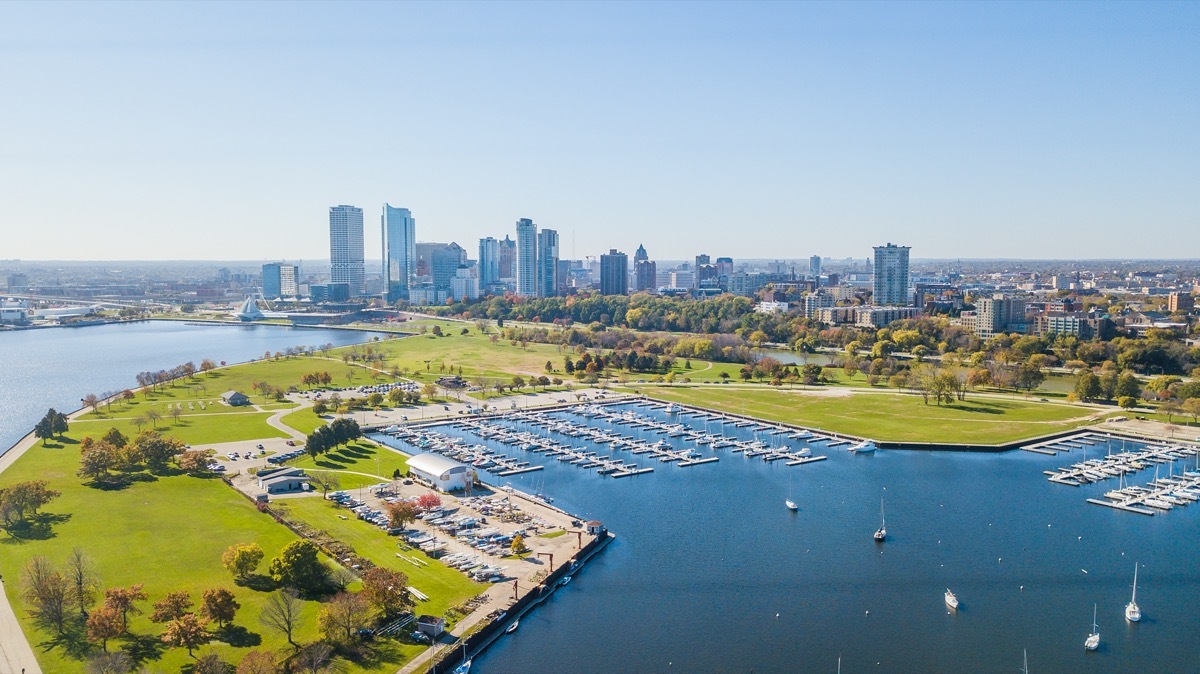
[[1134, 597]]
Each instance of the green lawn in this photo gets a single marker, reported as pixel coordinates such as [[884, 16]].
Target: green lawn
[[379, 463], [168, 534], [193, 430], [888, 416], [445, 587]]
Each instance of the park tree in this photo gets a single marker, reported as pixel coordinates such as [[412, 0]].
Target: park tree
[[1029, 376], [219, 605], [156, 450], [103, 624], [211, 664], [46, 591], [84, 581], [326, 482], [92, 400], [1087, 387], [282, 612], [299, 565], [98, 459], [258, 662], [153, 416], [1108, 384], [124, 600], [1191, 407], [1171, 408], [20, 500], [343, 616], [242, 560], [375, 399], [396, 396], [44, 430], [386, 590], [429, 501], [187, 631], [400, 513], [207, 366], [1128, 386], [115, 438], [117, 662], [1127, 402], [172, 606], [314, 658], [518, 544]]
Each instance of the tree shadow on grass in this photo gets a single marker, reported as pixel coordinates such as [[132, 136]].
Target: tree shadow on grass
[[238, 636], [39, 527], [257, 582], [120, 481], [975, 409], [72, 642], [143, 647], [378, 653]]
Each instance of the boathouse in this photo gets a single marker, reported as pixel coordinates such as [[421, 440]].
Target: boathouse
[[440, 472]]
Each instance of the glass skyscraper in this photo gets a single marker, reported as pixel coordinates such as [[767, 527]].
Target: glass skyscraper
[[346, 248], [399, 246]]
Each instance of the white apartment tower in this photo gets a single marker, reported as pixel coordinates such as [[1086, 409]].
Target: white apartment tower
[[891, 276], [346, 248], [398, 229], [527, 245]]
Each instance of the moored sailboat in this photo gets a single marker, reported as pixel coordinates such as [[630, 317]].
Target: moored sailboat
[[881, 532], [1132, 612], [951, 600], [1093, 639]]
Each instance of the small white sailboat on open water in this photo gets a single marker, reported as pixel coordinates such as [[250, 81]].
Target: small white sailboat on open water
[[1093, 640], [951, 600], [1132, 612], [881, 532]]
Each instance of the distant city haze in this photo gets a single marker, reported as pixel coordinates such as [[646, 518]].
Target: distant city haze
[[200, 131]]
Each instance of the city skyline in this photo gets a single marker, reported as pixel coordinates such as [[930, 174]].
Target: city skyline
[[1030, 131]]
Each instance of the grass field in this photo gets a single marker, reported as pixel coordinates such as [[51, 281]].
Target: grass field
[[361, 464], [885, 416], [168, 533], [193, 430]]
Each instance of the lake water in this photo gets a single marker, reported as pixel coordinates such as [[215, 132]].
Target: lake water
[[56, 367], [710, 573]]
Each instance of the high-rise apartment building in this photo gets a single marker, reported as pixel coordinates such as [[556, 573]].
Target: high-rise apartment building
[[527, 271], [279, 280], [891, 275], [814, 266], [346, 248], [398, 229], [994, 315], [489, 262], [614, 273], [547, 263], [442, 260], [646, 275]]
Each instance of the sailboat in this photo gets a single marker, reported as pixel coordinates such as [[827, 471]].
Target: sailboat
[[881, 532], [465, 667], [1132, 612], [791, 505], [1025, 657], [951, 600], [1093, 640]]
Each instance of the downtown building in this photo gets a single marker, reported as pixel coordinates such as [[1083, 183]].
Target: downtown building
[[614, 273], [547, 263], [526, 262], [346, 248], [279, 280], [398, 229], [891, 276]]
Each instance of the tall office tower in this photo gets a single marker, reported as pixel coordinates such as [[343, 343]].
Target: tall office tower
[[527, 245], [725, 266], [647, 275], [547, 263], [814, 266], [701, 261], [447, 258], [398, 229], [564, 276], [891, 275], [489, 262], [614, 273], [640, 255], [508, 258], [346, 248], [279, 280]]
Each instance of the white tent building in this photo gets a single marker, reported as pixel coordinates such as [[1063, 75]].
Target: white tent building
[[439, 472]]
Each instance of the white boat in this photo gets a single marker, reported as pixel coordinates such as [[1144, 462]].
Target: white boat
[[564, 581], [513, 627], [1132, 612], [951, 600], [864, 447], [881, 532], [791, 505], [1093, 640]]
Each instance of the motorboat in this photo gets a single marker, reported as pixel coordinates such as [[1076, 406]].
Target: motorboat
[[1132, 612], [564, 581], [513, 627], [864, 447], [1093, 640], [791, 505], [951, 600]]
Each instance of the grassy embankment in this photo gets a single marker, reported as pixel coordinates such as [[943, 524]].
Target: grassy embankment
[[888, 416]]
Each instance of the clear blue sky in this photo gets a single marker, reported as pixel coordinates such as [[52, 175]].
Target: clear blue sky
[[156, 130]]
